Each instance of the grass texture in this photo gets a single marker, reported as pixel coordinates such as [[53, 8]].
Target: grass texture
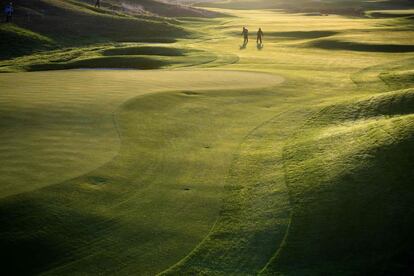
[[292, 158]]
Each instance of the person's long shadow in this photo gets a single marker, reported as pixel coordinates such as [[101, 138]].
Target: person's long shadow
[[242, 47], [259, 46]]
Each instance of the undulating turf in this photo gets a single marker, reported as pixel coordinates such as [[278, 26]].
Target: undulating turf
[[294, 158]]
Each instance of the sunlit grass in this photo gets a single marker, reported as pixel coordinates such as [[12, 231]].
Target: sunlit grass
[[294, 158]]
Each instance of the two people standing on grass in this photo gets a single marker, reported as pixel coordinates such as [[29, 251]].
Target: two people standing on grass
[[259, 40], [98, 4], [8, 11]]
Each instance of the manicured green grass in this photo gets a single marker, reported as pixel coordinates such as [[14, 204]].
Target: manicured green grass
[[80, 130], [181, 184], [300, 165]]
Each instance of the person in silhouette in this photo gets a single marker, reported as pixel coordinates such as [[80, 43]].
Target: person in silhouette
[[245, 34], [259, 40], [98, 4], [8, 11]]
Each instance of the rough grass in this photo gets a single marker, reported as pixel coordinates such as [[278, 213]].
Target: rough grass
[[351, 190], [15, 41], [73, 23]]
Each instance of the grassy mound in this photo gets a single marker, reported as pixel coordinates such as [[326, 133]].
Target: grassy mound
[[399, 75], [349, 176], [74, 23], [401, 78], [126, 62], [122, 56], [381, 105], [16, 41], [148, 8], [391, 75]]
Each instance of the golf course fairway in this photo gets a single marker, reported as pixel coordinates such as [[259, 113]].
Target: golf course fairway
[[64, 127], [289, 158]]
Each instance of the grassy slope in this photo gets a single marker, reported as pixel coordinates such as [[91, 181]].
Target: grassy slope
[[344, 7], [309, 159], [17, 41], [46, 23], [357, 156]]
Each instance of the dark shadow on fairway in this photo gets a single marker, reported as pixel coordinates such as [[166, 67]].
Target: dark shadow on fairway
[[14, 44], [37, 234], [145, 50], [259, 46], [361, 47], [190, 93], [301, 34], [104, 62], [384, 14], [243, 46], [314, 14], [369, 211]]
